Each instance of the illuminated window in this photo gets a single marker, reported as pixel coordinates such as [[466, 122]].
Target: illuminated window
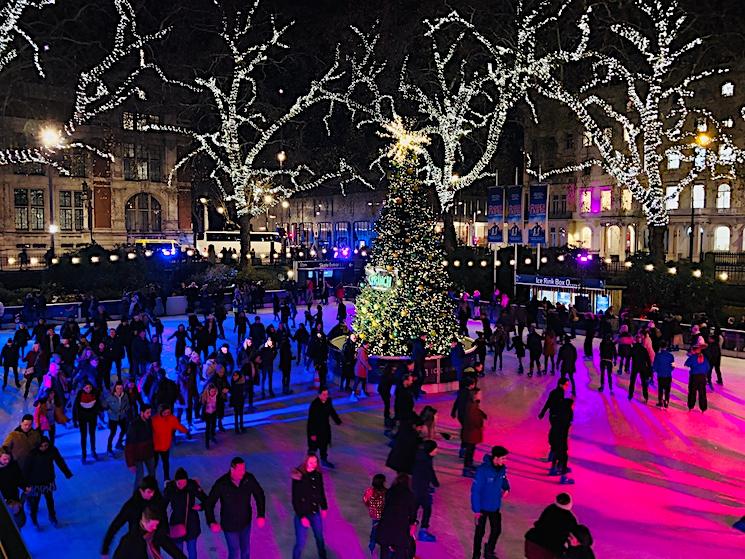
[[721, 238], [724, 197], [701, 124], [608, 133], [672, 198], [673, 160], [585, 201], [586, 139], [726, 154], [605, 200], [728, 123], [699, 196], [626, 200], [700, 158], [728, 89]]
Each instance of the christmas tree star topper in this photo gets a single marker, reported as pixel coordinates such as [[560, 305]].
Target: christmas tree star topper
[[405, 141]]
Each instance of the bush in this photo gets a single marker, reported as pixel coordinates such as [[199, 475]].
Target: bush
[[267, 275], [216, 277]]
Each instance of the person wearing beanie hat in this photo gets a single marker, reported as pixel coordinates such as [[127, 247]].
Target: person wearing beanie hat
[[182, 495], [489, 487], [423, 479], [548, 536]]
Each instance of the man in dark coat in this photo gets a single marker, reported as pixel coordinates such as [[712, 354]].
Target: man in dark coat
[[138, 451], [550, 532], [418, 356], [641, 366], [553, 405], [397, 520], [567, 362], [234, 491], [458, 411], [319, 428], [423, 481], [348, 359], [147, 538], [146, 495]]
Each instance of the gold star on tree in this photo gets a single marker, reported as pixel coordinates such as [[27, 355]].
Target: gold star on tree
[[405, 141]]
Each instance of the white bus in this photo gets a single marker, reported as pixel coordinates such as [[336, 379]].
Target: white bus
[[262, 242]]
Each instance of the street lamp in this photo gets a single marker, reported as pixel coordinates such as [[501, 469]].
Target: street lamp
[[88, 197], [51, 138], [281, 158], [704, 141]]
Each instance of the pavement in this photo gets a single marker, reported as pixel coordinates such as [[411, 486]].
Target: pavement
[[650, 483]]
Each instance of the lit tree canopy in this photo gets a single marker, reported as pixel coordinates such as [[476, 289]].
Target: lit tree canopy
[[237, 146], [638, 110], [99, 89]]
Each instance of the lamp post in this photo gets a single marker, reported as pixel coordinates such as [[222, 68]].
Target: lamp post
[[88, 196], [51, 139], [703, 140]]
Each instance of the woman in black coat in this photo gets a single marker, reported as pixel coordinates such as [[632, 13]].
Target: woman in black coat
[[398, 519], [38, 469], [403, 453], [182, 495], [310, 505], [238, 388], [85, 412]]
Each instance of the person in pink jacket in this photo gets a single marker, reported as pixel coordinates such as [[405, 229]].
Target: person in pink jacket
[[361, 368]]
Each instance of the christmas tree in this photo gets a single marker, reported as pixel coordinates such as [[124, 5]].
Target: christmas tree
[[407, 283]]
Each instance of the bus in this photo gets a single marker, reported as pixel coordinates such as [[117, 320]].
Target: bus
[[262, 242]]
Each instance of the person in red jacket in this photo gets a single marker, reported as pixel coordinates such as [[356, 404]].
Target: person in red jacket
[[165, 424], [473, 431]]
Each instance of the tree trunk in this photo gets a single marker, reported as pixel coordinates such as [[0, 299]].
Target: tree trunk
[[450, 239], [657, 243], [244, 222]]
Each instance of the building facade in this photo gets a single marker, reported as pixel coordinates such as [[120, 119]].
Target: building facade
[[109, 202]]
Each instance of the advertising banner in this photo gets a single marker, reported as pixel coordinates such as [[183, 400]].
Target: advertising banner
[[515, 215], [495, 214], [537, 214]]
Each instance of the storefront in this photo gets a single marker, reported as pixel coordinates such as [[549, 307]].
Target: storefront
[[587, 294], [335, 272]]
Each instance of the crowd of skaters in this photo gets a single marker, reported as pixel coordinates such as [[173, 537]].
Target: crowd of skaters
[[148, 407]]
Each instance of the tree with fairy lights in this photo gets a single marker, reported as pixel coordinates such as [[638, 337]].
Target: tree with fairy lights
[[248, 177], [407, 283], [101, 88], [638, 110]]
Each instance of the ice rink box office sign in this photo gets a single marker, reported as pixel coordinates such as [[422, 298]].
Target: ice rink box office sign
[[380, 278]]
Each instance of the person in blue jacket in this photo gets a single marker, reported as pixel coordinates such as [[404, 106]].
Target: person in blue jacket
[[489, 487], [697, 379], [662, 366]]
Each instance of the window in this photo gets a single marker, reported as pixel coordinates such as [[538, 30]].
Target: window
[[137, 121], [721, 238], [552, 237], [324, 234], [699, 160], [672, 198], [586, 139], [728, 89], [341, 234], [626, 200], [558, 204], [726, 154], [363, 233], [142, 162], [724, 197], [605, 200], [586, 238], [728, 123], [585, 201], [699, 196], [673, 160], [29, 209], [608, 133], [142, 214], [71, 210], [701, 124], [569, 141], [74, 161]]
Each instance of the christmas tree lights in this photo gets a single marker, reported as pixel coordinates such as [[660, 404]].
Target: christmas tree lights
[[406, 291]]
